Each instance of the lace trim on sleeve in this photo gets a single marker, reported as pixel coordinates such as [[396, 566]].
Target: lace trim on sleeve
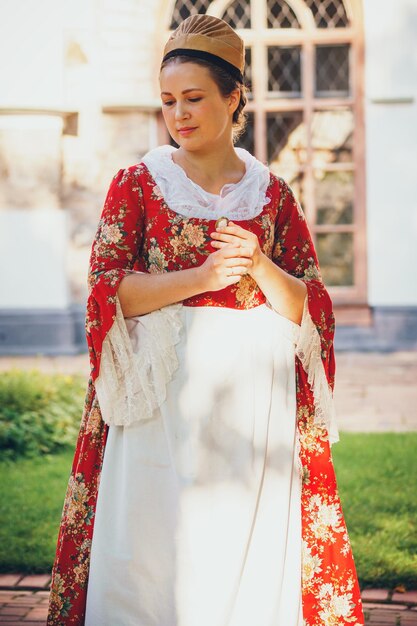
[[138, 360], [308, 350]]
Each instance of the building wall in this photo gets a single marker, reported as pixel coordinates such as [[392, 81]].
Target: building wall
[[391, 150], [108, 67], [60, 58], [82, 57], [99, 60], [32, 263]]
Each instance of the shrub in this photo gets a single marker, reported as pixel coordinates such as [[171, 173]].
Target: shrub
[[39, 413]]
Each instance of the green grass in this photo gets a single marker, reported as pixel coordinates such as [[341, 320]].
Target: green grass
[[377, 477], [31, 498]]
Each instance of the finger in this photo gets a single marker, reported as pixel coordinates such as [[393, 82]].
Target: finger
[[231, 239], [233, 229], [232, 251], [239, 262], [237, 270], [224, 237], [226, 249]]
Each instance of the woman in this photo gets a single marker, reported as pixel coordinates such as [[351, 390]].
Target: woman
[[209, 415]]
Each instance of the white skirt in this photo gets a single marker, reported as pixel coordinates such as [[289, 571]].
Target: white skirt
[[198, 517]]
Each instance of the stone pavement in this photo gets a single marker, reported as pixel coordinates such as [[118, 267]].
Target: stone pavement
[[374, 391], [24, 602]]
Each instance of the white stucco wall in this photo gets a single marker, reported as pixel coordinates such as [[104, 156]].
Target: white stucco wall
[[391, 150], [33, 246], [130, 32], [31, 52]]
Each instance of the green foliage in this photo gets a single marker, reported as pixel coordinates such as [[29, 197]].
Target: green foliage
[[39, 413], [32, 492], [377, 479]]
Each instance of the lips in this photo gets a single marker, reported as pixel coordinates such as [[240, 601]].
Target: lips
[[186, 130]]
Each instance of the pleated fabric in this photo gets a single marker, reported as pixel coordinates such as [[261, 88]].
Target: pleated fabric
[[198, 518]]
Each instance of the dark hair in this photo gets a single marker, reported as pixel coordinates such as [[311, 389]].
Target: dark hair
[[226, 84]]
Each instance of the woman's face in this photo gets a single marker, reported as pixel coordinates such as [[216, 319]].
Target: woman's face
[[197, 116]]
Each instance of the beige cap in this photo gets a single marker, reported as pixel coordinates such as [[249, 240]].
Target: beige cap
[[208, 37]]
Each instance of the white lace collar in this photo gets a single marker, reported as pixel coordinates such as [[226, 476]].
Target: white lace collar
[[237, 201]]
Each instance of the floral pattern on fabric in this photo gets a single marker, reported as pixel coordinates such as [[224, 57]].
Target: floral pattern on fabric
[[70, 571], [294, 252], [115, 250], [331, 595], [139, 232]]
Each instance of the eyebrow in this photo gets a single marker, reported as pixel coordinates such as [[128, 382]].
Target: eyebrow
[[167, 93]]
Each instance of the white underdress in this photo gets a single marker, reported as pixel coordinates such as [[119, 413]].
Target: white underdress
[[198, 516], [198, 513]]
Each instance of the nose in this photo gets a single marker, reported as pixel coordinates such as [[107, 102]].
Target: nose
[[180, 111]]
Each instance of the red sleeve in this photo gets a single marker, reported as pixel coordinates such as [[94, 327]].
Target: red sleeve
[[115, 249], [294, 252]]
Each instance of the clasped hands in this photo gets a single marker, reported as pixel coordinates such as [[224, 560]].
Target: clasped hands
[[237, 252]]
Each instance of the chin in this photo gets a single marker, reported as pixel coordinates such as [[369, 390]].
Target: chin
[[189, 143]]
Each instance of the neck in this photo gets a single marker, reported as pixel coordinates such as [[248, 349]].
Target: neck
[[211, 168]]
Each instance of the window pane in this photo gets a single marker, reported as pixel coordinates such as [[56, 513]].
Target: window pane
[[328, 13], [295, 181], [332, 136], [185, 8], [334, 192], [248, 69], [285, 138], [280, 15], [332, 70], [247, 139], [335, 252], [237, 14], [284, 64]]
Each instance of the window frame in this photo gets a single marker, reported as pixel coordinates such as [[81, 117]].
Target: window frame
[[308, 36]]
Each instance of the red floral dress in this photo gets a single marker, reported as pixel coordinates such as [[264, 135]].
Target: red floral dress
[[139, 232]]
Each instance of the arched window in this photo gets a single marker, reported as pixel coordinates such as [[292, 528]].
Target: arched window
[[182, 10], [304, 64]]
